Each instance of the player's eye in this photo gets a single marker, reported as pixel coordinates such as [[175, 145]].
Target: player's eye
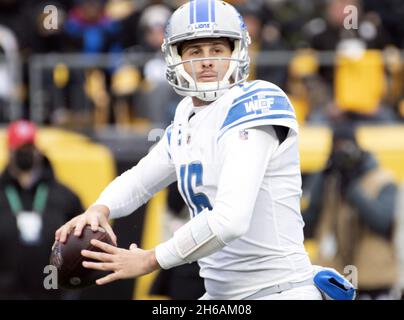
[[194, 52], [217, 50]]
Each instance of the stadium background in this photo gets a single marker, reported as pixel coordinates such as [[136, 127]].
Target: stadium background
[[99, 94]]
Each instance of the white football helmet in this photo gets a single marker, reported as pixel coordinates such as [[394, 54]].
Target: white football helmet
[[206, 19]]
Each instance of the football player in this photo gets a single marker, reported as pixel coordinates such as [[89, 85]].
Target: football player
[[233, 150]]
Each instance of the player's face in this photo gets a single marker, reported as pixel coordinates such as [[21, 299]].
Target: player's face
[[208, 70]]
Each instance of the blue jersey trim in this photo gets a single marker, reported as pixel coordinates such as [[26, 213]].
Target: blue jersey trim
[[249, 94], [272, 116], [169, 131], [247, 86], [238, 111]]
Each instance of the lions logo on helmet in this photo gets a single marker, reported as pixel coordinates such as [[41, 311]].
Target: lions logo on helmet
[[206, 19]]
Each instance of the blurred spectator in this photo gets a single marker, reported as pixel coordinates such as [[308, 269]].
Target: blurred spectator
[[32, 205], [292, 15], [357, 78], [26, 20], [157, 97], [125, 84], [328, 34], [394, 80], [152, 22], [351, 216], [307, 90], [265, 36], [15, 15], [8, 72], [89, 30], [126, 79], [391, 13], [360, 84], [127, 12], [331, 33]]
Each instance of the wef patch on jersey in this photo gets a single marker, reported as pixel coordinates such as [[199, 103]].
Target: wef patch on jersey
[[259, 104]]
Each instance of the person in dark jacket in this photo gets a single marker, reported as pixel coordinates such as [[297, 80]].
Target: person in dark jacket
[[32, 205], [351, 215]]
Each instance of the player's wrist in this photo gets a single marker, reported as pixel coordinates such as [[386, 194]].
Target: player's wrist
[[152, 263], [101, 209]]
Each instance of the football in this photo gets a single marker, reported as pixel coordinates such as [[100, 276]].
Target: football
[[67, 258]]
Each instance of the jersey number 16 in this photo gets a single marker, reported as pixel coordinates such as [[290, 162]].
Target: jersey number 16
[[196, 201]]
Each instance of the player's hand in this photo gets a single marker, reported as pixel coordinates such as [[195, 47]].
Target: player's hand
[[95, 216], [123, 263]]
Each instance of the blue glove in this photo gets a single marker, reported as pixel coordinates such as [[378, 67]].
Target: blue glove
[[333, 285]]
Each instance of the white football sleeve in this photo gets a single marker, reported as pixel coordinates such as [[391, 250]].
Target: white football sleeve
[[134, 187], [245, 158]]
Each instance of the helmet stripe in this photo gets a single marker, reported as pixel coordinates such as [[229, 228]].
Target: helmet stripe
[[212, 11], [191, 12], [202, 10]]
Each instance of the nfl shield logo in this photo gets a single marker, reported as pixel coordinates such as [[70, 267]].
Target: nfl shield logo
[[243, 134]]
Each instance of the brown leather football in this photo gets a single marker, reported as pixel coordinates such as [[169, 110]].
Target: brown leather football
[[67, 258]]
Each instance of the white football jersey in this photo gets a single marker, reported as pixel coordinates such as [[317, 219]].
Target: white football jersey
[[272, 250]]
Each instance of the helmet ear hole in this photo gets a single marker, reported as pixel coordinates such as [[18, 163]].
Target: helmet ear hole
[[231, 44], [180, 46]]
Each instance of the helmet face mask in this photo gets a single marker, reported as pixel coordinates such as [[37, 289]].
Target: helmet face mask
[[221, 21]]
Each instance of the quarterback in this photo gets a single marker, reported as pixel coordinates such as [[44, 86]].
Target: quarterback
[[233, 150]]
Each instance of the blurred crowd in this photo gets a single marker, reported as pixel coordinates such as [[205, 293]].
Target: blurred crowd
[[363, 81]]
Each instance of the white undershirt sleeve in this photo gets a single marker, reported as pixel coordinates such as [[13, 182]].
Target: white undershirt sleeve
[[245, 159], [134, 187]]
